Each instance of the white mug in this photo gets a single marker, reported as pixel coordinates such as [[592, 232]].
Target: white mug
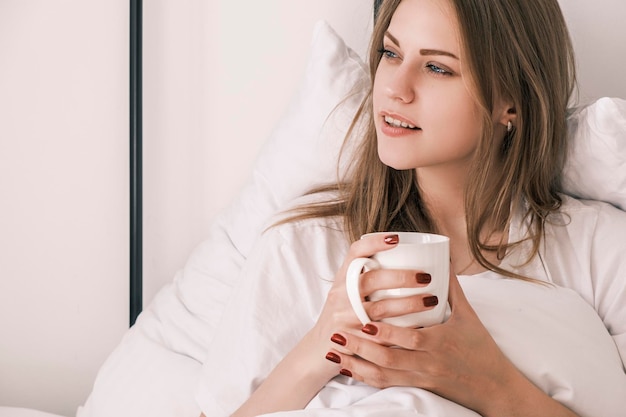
[[425, 252]]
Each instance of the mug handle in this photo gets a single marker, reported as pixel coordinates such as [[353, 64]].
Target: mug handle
[[353, 277]]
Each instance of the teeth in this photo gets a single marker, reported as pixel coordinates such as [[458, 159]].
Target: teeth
[[398, 123]]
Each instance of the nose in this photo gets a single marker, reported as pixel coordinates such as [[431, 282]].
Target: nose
[[401, 85]]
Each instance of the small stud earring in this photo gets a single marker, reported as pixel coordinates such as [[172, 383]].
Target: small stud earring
[[509, 127]]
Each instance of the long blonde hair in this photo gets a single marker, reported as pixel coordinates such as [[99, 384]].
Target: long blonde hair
[[520, 50]]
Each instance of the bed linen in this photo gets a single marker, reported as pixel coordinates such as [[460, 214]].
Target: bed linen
[[552, 334], [173, 334]]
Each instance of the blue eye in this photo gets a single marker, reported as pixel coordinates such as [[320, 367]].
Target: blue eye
[[437, 70], [387, 53]]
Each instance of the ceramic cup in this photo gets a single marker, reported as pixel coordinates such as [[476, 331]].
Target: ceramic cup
[[425, 252]]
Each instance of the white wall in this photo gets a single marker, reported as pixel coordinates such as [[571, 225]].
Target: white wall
[[64, 196], [217, 76], [598, 30]]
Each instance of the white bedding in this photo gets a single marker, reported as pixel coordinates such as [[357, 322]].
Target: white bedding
[[552, 335], [155, 369]]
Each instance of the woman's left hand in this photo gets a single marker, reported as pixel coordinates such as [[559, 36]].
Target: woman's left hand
[[458, 359]]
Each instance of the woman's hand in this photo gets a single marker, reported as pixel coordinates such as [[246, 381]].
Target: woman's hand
[[458, 360], [337, 315]]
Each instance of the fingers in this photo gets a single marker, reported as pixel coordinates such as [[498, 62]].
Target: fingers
[[373, 374], [390, 335], [379, 279], [394, 307], [382, 279], [366, 247], [375, 364], [371, 244]]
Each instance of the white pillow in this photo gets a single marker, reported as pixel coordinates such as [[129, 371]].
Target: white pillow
[[300, 153], [302, 150], [596, 165]]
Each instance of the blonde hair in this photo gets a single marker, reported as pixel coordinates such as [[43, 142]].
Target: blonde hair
[[518, 50]]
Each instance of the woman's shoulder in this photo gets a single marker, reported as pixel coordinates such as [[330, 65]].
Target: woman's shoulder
[[575, 203], [592, 229], [591, 213]]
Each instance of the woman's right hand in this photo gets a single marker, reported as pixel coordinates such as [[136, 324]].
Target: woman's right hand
[[337, 315]]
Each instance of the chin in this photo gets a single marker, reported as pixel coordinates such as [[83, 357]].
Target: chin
[[399, 164], [399, 156]]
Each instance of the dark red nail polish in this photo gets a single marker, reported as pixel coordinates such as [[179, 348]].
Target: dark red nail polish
[[346, 373], [333, 357], [370, 329], [431, 301], [391, 239], [423, 278], [339, 339]]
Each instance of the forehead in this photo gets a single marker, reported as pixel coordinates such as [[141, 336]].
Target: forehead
[[430, 24]]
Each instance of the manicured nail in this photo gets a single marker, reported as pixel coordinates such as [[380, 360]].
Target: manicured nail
[[339, 339], [391, 239], [346, 373], [370, 329], [431, 301], [423, 278], [333, 357]]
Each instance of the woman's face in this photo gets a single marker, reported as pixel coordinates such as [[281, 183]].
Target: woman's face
[[424, 113]]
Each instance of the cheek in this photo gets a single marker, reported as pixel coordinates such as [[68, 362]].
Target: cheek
[[383, 77], [376, 93], [462, 120], [469, 121]]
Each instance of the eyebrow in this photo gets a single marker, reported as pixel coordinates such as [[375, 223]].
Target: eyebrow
[[423, 51]]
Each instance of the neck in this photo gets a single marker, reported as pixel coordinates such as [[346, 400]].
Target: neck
[[443, 192]]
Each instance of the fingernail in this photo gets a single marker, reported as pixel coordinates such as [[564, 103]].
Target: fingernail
[[423, 278], [431, 301], [339, 339], [391, 239], [346, 373], [370, 329], [333, 357]]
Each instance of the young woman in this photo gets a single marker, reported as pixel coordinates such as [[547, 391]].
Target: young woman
[[466, 138]]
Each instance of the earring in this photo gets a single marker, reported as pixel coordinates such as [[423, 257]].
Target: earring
[[509, 127]]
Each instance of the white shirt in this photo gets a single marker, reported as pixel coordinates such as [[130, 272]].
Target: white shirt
[[567, 339]]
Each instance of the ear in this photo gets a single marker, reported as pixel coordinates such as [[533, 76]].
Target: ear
[[506, 113]]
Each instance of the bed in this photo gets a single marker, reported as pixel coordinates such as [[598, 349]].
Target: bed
[[164, 352]]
